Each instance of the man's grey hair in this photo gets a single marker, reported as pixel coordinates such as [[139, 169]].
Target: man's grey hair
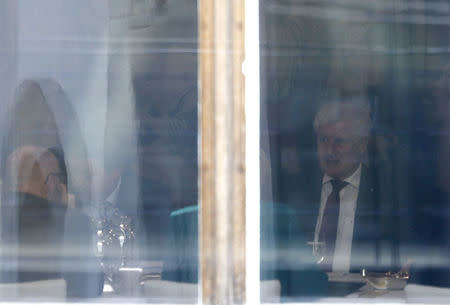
[[356, 109]]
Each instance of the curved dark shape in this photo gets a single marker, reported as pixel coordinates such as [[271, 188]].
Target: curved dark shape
[[41, 114]]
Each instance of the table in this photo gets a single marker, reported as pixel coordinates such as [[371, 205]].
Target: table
[[413, 293]]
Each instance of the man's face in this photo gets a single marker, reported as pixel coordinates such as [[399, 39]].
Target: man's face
[[340, 148]]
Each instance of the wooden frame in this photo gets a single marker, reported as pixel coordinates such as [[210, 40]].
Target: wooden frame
[[222, 151]]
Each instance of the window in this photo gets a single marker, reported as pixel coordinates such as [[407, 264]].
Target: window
[[224, 152], [351, 92], [103, 94]]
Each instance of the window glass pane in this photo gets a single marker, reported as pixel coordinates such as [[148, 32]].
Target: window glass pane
[[354, 148], [99, 149]]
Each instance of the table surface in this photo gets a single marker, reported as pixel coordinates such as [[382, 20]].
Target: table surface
[[362, 291], [412, 292]]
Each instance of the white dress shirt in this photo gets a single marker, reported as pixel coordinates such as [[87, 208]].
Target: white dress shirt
[[348, 197]]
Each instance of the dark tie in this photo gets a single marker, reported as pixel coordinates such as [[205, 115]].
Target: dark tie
[[330, 218]]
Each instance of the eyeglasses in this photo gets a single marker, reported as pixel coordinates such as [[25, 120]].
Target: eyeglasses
[[62, 178]]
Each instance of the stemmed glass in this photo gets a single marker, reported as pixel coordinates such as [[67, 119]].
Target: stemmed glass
[[113, 241]]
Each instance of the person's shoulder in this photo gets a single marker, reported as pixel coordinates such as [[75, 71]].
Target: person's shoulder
[[376, 184], [369, 178], [25, 200], [367, 170]]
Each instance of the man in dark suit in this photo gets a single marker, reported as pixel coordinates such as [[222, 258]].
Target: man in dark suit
[[48, 240], [346, 208]]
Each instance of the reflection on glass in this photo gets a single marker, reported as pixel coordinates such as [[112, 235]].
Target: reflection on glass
[[354, 127], [108, 91]]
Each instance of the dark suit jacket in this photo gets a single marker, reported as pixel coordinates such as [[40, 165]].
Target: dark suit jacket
[[284, 253], [48, 241], [376, 218]]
